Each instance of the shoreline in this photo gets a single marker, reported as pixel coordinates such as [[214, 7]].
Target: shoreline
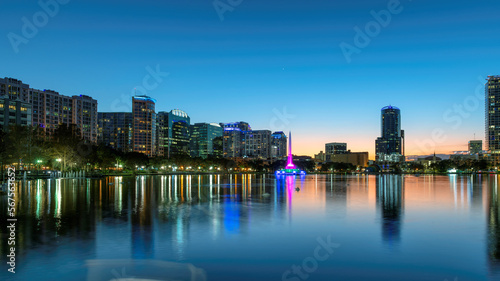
[[104, 175]]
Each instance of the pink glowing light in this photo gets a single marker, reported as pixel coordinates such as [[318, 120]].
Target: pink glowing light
[[290, 164], [290, 184]]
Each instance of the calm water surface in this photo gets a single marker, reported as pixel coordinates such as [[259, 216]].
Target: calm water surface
[[256, 227]]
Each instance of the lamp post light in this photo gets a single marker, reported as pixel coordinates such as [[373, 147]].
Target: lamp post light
[[39, 162], [59, 161]]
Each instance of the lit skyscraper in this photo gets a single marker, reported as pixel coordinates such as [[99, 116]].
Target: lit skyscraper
[[388, 147], [234, 139], [115, 129], [143, 109], [202, 139], [84, 115], [173, 133], [257, 144], [493, 117], [475, 146], [278, 145]]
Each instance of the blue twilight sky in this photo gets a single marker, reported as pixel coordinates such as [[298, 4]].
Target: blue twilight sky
[[267, 60]]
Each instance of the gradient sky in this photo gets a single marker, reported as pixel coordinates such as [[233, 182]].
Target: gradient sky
[[273, 56]]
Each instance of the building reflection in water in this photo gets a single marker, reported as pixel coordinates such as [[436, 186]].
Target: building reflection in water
[[475, 192], [51, 213], [390, 190], [159, 216], [141, 219], [493, 224], [336, 189], [285, 187]]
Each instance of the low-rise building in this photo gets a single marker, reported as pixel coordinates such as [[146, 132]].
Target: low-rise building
[[359, 159], [336, 148]]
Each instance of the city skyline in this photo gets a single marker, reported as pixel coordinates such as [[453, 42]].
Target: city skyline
[[372, 155], [265, 60], [250, 140]]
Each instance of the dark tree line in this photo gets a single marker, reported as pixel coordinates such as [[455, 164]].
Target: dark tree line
[[29, 148], [468, 165]]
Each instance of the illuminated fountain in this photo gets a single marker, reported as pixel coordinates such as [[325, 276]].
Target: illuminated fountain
[[290, 168]]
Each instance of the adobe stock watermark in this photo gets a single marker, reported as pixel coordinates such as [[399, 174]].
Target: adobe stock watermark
[[150, 82], [31, 27], [223, 6], [11, 220], [363, 37], [454, 116], [280, 120], [309, 265], [142, 270], [121, 275]]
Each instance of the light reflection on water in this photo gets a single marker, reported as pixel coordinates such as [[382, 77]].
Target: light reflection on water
[[255, 227]]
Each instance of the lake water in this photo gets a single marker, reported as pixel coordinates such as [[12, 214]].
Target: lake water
[[256, 227]]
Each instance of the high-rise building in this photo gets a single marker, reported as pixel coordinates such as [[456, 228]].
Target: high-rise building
[[475, 146], [143, 110], [218, 145], [278, 145], [84, 116], [173, 133], [202, 139], [388, 147], [493, 117], [14, 112], [50, 109], [336, 148], [115, 129], [257, 144], [234, 139]]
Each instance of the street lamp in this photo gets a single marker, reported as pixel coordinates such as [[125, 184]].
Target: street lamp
[[59, 161], [39, 163]]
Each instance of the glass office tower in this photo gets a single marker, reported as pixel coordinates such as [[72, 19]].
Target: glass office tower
[[173, 133], [493, 117], [202, 139], [389, 145]]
